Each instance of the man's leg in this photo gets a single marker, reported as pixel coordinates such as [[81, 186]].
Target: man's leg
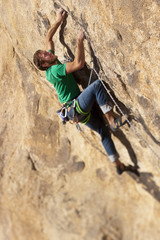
[[99, 126], [97, 92]]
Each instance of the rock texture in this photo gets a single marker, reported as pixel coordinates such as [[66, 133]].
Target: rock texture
[[56, 183]]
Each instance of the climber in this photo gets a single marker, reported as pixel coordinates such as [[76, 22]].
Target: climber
[[60, 75]]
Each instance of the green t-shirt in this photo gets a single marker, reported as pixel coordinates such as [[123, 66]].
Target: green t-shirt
[[64, 84]]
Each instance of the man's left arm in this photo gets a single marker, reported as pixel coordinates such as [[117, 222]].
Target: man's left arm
[[53, 29]]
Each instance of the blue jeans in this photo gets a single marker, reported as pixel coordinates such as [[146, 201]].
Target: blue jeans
[[97, 92]]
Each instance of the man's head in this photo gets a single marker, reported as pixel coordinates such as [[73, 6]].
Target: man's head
[[44, 59]]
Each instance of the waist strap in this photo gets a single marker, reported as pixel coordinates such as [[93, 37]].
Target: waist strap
[[76, 114], [72, 111]]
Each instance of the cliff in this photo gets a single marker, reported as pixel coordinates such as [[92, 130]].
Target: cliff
[[57, 183]]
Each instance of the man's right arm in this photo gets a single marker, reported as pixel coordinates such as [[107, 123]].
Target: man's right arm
[[53, 29], [79, 59]]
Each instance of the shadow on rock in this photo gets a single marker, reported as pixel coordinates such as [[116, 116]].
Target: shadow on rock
[[146, 179], [123, 139]]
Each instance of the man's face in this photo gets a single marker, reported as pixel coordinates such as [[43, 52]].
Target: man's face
[[47, 57]]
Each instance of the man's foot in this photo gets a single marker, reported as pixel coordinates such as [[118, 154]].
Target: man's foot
[[118, 122], [122, 168]]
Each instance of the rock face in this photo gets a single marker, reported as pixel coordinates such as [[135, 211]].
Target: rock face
[[57, 183]]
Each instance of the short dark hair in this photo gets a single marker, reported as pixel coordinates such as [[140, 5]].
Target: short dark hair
[[38, 62]]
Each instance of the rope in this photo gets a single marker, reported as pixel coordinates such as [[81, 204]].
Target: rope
[[130, 124]]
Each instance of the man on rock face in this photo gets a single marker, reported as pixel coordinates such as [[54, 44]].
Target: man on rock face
[[60, 75]]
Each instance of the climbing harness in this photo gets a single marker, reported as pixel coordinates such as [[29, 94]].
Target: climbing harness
[[72, 111]]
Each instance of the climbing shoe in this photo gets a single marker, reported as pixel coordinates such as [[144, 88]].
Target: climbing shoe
[[123, 168], [118, 122]]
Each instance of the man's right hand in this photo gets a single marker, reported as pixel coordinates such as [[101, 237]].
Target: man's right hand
[[53, 29], [79, 59], [61, 14]]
